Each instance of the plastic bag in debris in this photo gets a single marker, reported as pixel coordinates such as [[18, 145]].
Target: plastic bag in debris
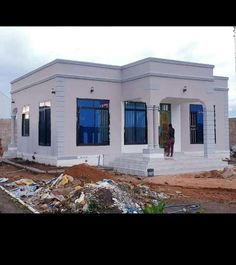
[[25, 182], [24, 191], [3, 180], [62, 180]]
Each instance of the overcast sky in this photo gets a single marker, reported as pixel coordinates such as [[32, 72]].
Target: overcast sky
[[23, 49]]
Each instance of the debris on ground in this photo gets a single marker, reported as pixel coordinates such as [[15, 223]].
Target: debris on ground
[[3, 180], [227, 172], [85, 189]]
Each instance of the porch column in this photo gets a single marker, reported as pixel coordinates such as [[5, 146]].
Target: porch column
[[155, 126], [208, 130], [13, 140], [153, 150], [150, 126], [12, 148]]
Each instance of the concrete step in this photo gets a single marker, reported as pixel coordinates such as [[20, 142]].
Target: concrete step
[[137, 165]]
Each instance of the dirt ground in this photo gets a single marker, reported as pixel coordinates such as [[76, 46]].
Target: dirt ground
[[215, 195]]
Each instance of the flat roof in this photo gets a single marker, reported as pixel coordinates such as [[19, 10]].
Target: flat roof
[[115, 67]]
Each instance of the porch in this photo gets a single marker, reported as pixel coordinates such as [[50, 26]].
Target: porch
[[137, 164]]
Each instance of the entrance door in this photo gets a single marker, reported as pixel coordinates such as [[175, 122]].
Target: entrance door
[[165, 120]]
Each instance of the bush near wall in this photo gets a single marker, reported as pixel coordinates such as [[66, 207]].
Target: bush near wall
[[5, 132]]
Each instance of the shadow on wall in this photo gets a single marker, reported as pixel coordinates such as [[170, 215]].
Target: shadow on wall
[[5, 132]]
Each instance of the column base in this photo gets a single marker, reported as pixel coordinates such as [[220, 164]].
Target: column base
[[11, 152], [153, 153]]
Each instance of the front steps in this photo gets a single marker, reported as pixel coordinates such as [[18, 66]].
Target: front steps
[[136, 164]]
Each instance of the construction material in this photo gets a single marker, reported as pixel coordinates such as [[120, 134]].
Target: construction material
[[35, 170]]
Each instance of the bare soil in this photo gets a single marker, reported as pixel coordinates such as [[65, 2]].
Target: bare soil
[[215, 194]]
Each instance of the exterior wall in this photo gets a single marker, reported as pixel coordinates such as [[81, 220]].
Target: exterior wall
[[28, 145], [102, 90], [150, 80], [232, 131], [5, 132]]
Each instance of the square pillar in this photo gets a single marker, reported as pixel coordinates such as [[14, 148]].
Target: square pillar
[[208, 130], [153, 150]]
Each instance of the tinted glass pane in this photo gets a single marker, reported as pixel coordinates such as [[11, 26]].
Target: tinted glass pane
[[129, 105], [47, 126], [129, 127], [44, 126], [196, 124], [86, 117], [140, 105], [41, 127], [101, 126], [85, 103], [140, 127], [93, 123]]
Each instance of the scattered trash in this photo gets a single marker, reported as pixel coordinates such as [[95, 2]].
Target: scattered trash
[[91, 191], [24, 191], [178, 192], [162, 195], [80, 199], [25, 182], [3, 180]]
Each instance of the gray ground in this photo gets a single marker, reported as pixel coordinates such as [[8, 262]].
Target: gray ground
[[9, 205]]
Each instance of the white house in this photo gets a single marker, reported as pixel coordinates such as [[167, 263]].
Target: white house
[[70, 112]]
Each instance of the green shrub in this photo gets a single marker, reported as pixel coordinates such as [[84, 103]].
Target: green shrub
[[155, 208]]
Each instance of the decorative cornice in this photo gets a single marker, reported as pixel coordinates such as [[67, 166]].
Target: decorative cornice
[[114, 67]]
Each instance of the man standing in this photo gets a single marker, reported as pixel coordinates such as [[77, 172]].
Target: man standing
[[171, 140]]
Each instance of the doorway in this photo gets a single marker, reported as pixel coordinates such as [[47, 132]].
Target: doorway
[[165, 119]]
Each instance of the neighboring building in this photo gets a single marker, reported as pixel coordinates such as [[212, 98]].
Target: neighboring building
[[69, 112], [232, 132], [5, 106], [5, 132]]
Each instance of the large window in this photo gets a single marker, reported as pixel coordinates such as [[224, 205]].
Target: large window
[[135, 123], [45, 123], [196, 124], [92, 122], [25, 121]]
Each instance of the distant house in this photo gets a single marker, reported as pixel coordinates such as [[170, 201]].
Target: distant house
[[70, 112]]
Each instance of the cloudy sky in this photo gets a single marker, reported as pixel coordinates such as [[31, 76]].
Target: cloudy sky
[[23, 49]]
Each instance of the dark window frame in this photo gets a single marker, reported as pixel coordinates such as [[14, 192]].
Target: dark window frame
[[135, 110], [78, 143], [44, 126]]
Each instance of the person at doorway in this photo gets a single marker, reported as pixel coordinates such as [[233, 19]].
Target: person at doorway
[[171, 140]]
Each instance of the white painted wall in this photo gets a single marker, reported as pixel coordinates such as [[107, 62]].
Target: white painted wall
[[150, 80]]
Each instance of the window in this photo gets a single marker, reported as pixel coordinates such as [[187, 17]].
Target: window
[[196, 124], [215, 123], [45, 123], [92, 122], [25, 121], [135, 123]]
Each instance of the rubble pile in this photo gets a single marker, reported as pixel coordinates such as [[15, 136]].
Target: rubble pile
[[227, 172], [84, 189]]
